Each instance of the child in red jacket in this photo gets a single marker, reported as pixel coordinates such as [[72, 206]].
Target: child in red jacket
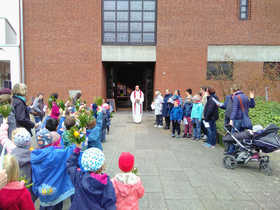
[[128, 186], [14, 195]]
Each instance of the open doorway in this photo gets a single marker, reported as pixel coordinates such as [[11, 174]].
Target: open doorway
[[5, 75], [122, 78]]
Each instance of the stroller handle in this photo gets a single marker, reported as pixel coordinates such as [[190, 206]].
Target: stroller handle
[[228, 128]]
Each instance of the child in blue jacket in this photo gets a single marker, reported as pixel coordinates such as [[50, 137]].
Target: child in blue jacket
[[94, 133], [196, 116], [176, 116], [187, 110], [93, 189]]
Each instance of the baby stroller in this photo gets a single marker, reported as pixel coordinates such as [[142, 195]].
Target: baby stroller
[[248, 145]]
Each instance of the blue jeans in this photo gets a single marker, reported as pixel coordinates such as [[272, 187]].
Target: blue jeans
[[196, 128], [212, 133], [237, 125]]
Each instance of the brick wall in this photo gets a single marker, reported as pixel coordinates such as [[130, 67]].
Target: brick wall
[[62, 47], [63, 41]]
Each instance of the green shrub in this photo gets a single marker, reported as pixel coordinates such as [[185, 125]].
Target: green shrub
[[98, 101], [264, 113]]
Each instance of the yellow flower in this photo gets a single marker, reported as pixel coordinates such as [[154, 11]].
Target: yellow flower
[[44, 191], [76, 134], [31, 148]]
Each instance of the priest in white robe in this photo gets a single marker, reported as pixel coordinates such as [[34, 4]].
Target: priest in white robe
[[137, 99]]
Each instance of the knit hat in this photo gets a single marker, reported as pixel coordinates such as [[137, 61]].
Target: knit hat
[[21, 138], [44, 137], [92, 159], [126, 162]]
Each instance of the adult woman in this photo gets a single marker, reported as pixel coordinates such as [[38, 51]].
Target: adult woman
[[211, 115], [20, 108]]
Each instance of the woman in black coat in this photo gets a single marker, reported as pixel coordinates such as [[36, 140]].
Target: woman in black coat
[[211, 115], [20, 107]]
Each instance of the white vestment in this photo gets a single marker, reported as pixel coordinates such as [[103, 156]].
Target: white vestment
[[137, 107]]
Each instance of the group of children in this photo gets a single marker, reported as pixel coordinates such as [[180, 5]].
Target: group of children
[[57, 169], [189, 113]]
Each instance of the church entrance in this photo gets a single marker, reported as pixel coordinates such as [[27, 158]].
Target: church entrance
[[122, 78]]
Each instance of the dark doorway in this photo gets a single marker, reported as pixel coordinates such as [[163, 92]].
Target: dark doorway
[[122, 78]]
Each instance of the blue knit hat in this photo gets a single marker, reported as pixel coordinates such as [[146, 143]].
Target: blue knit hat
[[92, 159], [44, 137], [22, 138]]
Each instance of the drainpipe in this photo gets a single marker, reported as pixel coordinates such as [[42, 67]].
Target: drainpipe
[[21, 40]]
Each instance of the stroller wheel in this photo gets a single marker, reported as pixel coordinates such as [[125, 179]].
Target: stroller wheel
[[229, 162], [265, 168]]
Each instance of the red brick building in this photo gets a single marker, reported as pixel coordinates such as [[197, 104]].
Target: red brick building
[[68, 46]]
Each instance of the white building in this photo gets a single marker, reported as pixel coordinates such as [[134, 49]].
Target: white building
[[10, 62]]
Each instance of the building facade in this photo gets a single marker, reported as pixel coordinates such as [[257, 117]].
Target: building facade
[[178, 44]]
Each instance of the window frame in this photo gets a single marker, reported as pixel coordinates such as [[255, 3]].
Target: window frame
[[129, 21], [212, 77]]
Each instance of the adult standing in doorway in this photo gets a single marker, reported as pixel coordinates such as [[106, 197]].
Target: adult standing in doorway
[[137, 99]]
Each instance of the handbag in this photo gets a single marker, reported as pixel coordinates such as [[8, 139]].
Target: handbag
[[246, 122]]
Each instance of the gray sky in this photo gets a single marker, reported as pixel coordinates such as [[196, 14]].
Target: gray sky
[[10, 10]]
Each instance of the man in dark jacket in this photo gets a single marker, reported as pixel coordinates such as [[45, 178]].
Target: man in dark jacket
[[166, 108], [211, 115], [237, 113]]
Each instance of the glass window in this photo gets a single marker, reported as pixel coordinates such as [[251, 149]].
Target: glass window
[[109, 26], [129, 22], [136, 16], [149, 16], [272, 70], [122, 27], [136, 37], [122, 37], [135, 27], [109, 15], [122, 16], [136, 5], [149, 27], [109, 37], [219, 71], [244, 9], [148, 37], [149, 5], [122, 5], [109, 5]]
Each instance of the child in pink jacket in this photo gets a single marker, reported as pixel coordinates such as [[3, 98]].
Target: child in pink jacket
[[128, 186], [4, 140]]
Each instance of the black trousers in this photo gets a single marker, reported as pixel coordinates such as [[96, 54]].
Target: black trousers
[[176, 127], [159, 120], [203, 129], [167, 122]]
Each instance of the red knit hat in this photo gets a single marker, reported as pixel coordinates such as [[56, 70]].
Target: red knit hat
[[126, 162]]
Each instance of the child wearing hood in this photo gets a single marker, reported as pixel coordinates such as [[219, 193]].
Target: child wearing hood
[[14, 195], [94, 130], [93, 188], [128, 186], [157, 106]]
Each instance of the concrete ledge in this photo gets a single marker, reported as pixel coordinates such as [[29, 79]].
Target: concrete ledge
[[246, 53], [129, 53]]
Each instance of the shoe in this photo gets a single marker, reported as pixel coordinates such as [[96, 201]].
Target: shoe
[[155, 126], [185, 136], [204, 137], [189, 135], [194, 138], [207, 145], [178, 136], [173, 135], [160, 126], [212, 147]]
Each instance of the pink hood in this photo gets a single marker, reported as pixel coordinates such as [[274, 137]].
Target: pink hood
[[129, 190]]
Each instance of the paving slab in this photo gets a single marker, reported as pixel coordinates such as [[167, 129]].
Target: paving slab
[[183, 174]]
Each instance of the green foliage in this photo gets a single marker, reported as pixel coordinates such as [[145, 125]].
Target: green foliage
[[50, 101], [61, 104], [98, 101], [84, 119], [26, 182], [264, 113], [5, 110], [75, 135], [78, 104], [135, 171]]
